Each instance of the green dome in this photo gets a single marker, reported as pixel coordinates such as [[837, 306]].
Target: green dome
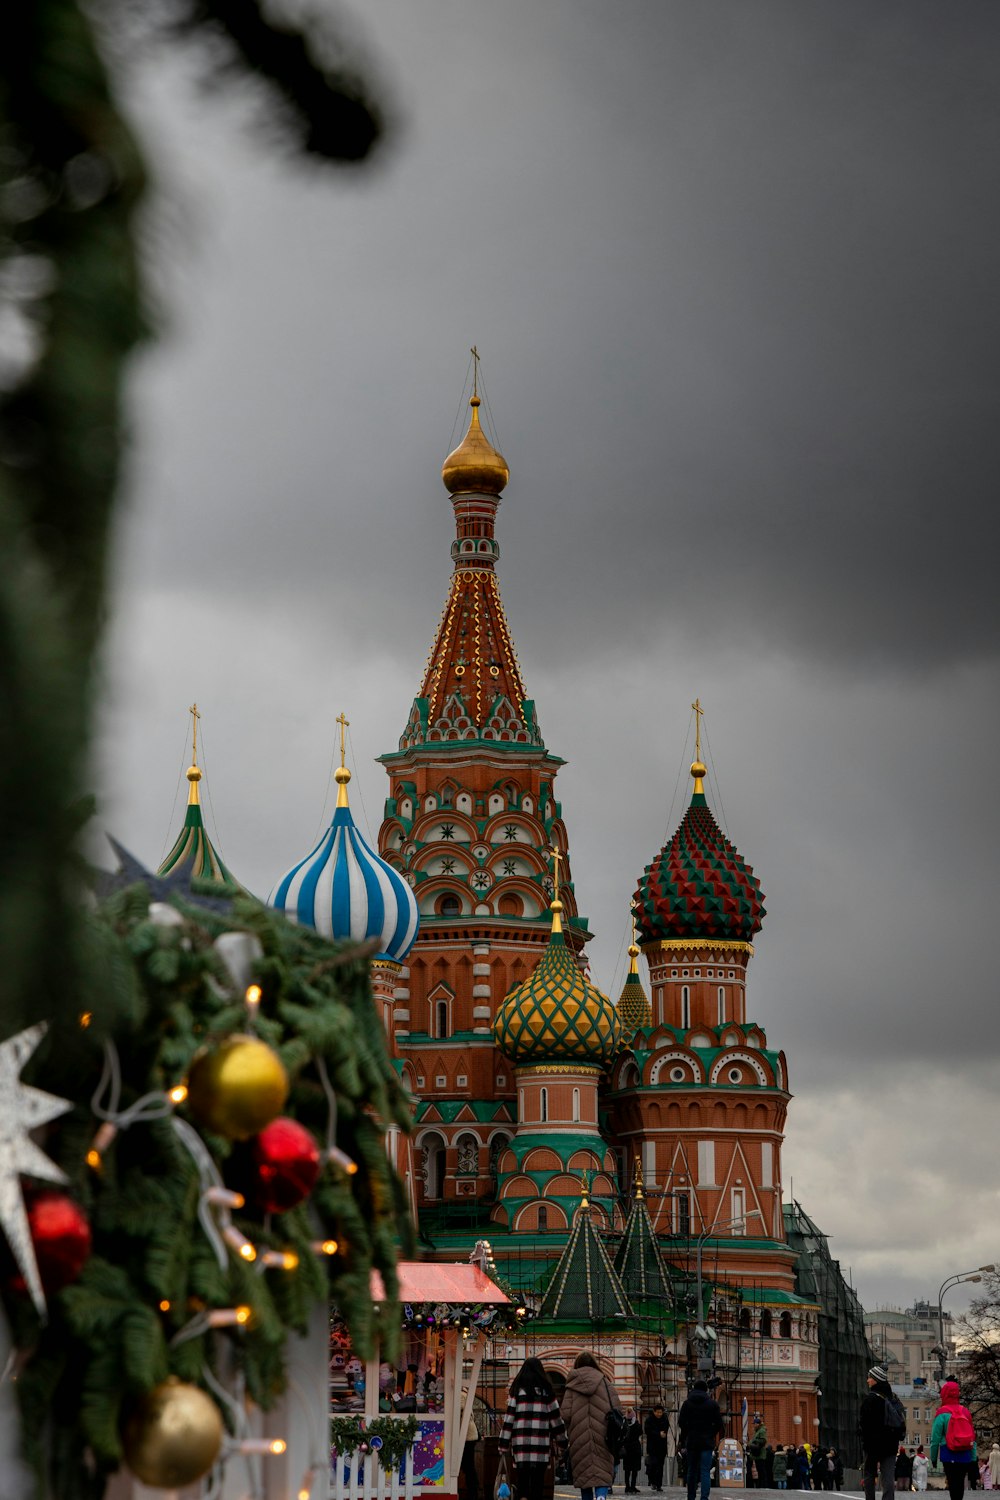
[[557, 1015]]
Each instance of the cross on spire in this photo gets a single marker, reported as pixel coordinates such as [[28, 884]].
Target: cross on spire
[[699, 714], [557, 858], [345, 724], [475, 370], [195, 716]]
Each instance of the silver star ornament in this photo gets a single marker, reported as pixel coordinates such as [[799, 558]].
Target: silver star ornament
[[23, 1109]]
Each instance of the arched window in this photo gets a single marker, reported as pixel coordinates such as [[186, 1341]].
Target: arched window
[[785, 1325], [449, 906], [685, 1005], [441, 1018], [543, 1104], [509, 906], [682, 1206], [468, 1155], [765, 1323], [433, 1166], [543, 1218], [576, 1104], [744, 1320], [722, 1006]]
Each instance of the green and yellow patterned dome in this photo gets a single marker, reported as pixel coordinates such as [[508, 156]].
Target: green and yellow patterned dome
[[633, 1006], [557, 1015]]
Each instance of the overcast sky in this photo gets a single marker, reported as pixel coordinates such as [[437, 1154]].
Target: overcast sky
[[732, 270]]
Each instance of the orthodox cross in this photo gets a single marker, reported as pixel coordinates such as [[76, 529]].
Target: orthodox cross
[[345, 724], [195, 716], [699, 714], [556, 858], [475, 370]]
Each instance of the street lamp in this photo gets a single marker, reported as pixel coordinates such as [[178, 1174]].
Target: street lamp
[[948, 1282]]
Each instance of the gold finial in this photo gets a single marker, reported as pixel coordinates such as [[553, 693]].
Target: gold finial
[[697, 767], [585, 1193], [633, 950], [193, 773], [342, 775], [556, 905], [638, 1180]]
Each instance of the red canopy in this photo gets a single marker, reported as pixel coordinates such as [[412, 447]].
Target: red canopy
[[426, 1281]]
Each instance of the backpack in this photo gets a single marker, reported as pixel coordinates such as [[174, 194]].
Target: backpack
[[960, 1435], [895, 1417]]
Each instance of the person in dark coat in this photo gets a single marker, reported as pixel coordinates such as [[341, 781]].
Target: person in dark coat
[[700, 1428], [632, 1451], [817, 1469], [656, 1446], [838, 1468], [878, 1441], [587, 1399], [802, 1464], [904, 1470]]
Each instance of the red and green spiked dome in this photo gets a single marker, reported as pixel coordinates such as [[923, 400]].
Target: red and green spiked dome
[[699, 885], [556, 1015]]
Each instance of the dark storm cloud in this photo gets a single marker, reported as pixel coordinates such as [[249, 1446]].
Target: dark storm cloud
[[734, 273], [732, 270]]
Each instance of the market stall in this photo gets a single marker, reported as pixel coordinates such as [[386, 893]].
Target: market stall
[[401, 1429]]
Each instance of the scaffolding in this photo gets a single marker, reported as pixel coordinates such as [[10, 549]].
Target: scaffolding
[[844, 1353]]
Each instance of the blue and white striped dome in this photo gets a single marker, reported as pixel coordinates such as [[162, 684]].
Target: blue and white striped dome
[[345, 890]]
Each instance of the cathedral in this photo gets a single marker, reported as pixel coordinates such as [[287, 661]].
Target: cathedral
[[621, 1160]]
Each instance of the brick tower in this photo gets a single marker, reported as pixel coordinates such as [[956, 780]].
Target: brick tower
[[469, 821]]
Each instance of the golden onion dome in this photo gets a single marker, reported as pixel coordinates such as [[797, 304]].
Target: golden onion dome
[[556, 1014], [475, 466]]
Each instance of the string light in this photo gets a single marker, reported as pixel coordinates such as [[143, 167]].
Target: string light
[[324, 1247], [85, 1018], [276, 1446], [278, 1260], [333, 1152], [178, 1093], [342, 1160], [253, 997], [215, 1317], [223, 1197], [238, 1241], [165, 1305], [228, 1317], [102, 1140]]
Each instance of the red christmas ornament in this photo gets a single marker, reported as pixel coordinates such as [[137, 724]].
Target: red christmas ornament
[[286, 1161], [60, 1234]]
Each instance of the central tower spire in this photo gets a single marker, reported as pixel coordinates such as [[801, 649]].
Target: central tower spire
[[472, 687]]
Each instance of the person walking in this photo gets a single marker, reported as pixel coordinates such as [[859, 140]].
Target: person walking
[[953, 1439], [588, 1398], [994, 1462], [532, 1426], [700, 1428], [904, 1470], [780, 1471], [838, 1469], [985, 1477], [920, 1468], [656, 1446], [880, 1437], [632, 1451]]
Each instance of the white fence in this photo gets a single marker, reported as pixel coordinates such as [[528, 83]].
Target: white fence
[[362, 1477]]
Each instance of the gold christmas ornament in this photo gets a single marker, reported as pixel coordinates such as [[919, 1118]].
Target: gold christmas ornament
[[237, 1088], [173, 1436]]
